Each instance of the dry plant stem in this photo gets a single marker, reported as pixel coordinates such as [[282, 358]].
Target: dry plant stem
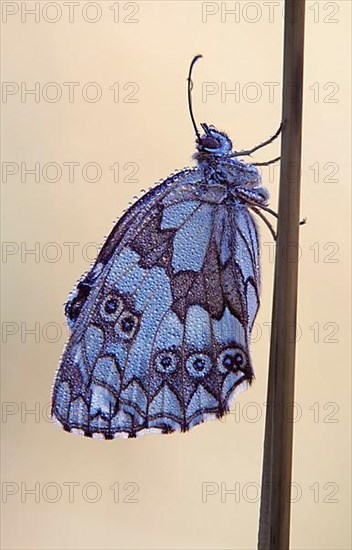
[[274, 523]]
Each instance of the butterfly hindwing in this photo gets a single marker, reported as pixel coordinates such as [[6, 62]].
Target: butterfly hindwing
[[161, 329]]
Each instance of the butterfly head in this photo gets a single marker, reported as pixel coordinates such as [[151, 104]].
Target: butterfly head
[[213, 142]]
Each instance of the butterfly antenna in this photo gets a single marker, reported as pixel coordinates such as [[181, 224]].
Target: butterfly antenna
[[190, 87]]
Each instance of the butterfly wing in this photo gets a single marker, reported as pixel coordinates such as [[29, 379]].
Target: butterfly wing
[[161, 325]]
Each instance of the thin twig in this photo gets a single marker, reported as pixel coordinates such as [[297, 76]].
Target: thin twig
[[274, 524]]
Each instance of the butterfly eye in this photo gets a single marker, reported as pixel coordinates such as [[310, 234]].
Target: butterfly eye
[[166, 362], [232, 359], [198, 365], [210, 143], [111, 307], [126, 325]]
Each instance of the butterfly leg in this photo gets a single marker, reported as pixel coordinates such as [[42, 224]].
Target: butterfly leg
[[266, 221], [273, 213], [266, 163], [257, 209], [264, 144], [269, 210]]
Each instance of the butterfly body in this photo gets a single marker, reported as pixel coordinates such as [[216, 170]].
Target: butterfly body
[[161, 324]]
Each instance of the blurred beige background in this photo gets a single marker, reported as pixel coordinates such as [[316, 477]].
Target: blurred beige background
[[107, 119]]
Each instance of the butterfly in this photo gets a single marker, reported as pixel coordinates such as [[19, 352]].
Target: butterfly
[[161, 324]]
